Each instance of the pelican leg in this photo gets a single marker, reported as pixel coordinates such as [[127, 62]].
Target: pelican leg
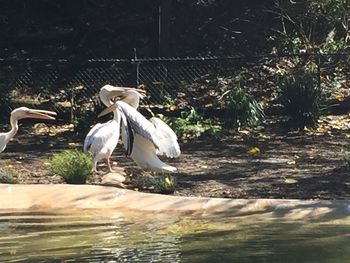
[[109, 165], [94, 170]]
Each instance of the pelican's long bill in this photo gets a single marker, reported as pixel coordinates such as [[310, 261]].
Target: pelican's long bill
[[121, 91], [39, 114], [107, 110], [136, 89]]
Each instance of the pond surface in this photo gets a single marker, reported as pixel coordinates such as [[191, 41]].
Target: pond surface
[[93, 236]]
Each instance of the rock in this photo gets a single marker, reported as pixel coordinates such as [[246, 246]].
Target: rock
[[115, 178]]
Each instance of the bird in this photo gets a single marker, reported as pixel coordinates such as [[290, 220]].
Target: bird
[[144, 139], [22, 113], [103, 138]]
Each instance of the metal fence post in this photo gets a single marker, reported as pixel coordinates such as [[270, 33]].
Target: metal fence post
[[137, 68]]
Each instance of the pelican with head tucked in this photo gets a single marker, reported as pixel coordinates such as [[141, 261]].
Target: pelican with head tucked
[[103, 138], [144, 139], [22, 113]]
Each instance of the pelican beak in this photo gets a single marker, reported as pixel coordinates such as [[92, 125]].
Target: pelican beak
[[39, 114], [120, 91], [142, 91], [107, 110], [129, 88]]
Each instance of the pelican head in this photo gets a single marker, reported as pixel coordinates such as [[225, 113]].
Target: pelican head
[[131, 96], [24, 113]]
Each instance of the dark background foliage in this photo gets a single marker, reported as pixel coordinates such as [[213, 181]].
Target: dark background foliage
[[106, 28]]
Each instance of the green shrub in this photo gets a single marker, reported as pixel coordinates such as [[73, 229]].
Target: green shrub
[[162, 184], [6, 176], [302, 99], [241, 109], [192, 124], [72, 165]]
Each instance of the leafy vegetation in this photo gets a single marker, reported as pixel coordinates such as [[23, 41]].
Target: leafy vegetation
[[241, 109], [192, 124], [6, 176], [302, 99], [162, 184], [313, 25], [72, 165]]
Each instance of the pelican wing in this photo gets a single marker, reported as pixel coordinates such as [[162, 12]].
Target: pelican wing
[[89, 137], [167, 138], [138, 123], [127, 134], [124, 135], [98, 136]]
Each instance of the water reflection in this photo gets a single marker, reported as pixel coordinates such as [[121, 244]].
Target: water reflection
[[112, 237]]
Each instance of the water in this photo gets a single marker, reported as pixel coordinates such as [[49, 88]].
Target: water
[[93, 236]]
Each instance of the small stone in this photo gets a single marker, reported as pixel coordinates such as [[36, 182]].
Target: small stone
[[115, 178]]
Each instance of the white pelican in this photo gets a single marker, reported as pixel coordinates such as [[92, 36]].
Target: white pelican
[[22, 113], [103, 138], [143, 139]]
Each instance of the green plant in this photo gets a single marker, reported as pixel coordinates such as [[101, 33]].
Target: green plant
[[302, 99], [162, 184], [192, 124], [241, 109], [6, 176], [72, 165]]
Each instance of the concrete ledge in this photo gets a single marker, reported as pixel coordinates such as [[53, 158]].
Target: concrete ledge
[[60, 197]]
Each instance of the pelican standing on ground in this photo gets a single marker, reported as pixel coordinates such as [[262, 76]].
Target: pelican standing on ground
[[22, 113], [103, 138], [144, 139]]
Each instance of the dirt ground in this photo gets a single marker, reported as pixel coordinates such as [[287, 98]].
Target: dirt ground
[[268, 162]]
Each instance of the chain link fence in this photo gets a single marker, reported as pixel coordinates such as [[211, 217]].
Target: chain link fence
[[59, 84], [70, 86]]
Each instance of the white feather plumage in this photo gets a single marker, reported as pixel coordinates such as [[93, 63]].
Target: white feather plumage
[[152, 137], [102, 140]]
